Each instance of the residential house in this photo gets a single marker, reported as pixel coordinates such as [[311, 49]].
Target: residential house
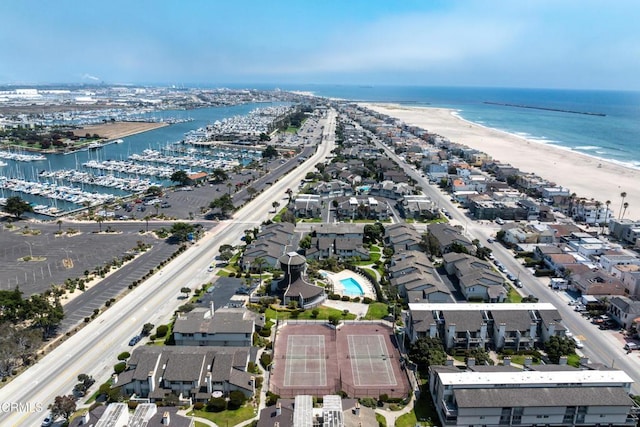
[[476, 278], [596, 282], [361, 207], [332, 189], [447, 236], [191, 373], [402, 237], [625, 230], [333, 411], [625, 311], [609, 262], [630, 276], [485, 325], [226, 327], [536, 396], [307, 206], [355, 231], [417, 206], [145, 414]]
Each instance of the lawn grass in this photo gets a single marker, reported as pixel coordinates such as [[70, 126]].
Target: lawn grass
[[377, 310], [228, 417], [382, 421], [370, 271], [324, 313], [513, 297], [573, 360], [423, 414]]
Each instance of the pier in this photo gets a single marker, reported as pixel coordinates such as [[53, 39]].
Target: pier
[[533, 107]]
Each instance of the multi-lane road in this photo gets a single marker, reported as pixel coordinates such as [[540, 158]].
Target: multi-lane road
[[94, 349]]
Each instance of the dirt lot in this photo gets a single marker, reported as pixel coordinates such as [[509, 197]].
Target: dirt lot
[[118, 129]]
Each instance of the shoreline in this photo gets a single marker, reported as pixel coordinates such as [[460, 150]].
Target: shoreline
[[587, 176]]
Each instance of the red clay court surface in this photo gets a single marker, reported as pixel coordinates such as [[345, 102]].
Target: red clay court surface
[[316, 359]]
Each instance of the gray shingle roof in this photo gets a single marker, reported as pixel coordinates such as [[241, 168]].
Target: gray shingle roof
[[545, 397]]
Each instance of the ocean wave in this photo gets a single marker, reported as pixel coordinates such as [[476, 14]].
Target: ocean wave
[[587, 147]]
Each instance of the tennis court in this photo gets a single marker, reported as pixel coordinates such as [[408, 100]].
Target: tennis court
[[305, 361], [370, 361]]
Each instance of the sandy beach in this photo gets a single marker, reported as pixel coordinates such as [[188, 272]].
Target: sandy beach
[[586, 176]]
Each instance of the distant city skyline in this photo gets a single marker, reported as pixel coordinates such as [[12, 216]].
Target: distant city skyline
[[570, 44]]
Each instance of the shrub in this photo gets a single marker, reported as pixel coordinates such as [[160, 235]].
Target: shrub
[[265, 332], [124, 355], [236, 399], [271, 399], [384, 398], [334, 297], [216, 404], [265, 360], [161, 331], [198, 406], [345, 298], [119, 368], [369, 402], [366, 300], [315, 312]]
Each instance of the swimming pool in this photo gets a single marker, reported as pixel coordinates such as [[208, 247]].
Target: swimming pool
[[351, 287]]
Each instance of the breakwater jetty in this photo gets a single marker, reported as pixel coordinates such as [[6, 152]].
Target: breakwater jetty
[[533, 107]]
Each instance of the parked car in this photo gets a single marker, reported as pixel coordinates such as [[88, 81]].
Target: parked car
[[578, 343], [135, 340], [630, 346]]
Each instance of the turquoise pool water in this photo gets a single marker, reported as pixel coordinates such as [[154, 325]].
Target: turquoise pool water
[[352, 287]]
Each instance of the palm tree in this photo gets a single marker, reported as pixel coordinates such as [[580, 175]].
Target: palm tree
[[623, 195], [598, 206], [625, 205], [229, 185], [100, 220], [606, 215], [59, 222], [146, 218], [572, 197]]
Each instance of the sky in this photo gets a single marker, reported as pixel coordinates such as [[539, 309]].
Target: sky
[[570, 44]]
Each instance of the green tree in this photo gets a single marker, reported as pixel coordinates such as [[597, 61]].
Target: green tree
[[236, 399], [427, 351], [147, 328], [180, 231], [63, 406], [264, 137], [186, 291], [559, 346], [216, 404], [16, 206], [305, 242], [269, 152], [181, 177], [154, 190], [224, 203], [219, 175], [251, 192], [373, 233]]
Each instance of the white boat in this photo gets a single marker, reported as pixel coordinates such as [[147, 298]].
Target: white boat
[[119, 141], [94, 146]]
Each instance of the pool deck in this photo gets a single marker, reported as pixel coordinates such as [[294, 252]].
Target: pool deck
[[365, 284]]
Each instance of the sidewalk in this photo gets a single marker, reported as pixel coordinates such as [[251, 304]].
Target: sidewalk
[[392, 416]]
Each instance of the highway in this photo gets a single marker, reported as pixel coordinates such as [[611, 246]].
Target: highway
[[600, 346], [94, 349]]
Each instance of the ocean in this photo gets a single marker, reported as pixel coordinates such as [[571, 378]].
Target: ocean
[[614, 137]]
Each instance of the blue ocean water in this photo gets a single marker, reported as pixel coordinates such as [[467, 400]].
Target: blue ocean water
[[614, 137]]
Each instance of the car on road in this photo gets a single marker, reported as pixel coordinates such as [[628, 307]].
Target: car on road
[[210, 268], [490, 240], [48, 421], [135, 340], [518, 283], [578, 343], [242, 291], [499, 221]]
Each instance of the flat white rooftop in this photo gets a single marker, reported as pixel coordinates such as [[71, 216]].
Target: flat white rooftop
[[537, 378]]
